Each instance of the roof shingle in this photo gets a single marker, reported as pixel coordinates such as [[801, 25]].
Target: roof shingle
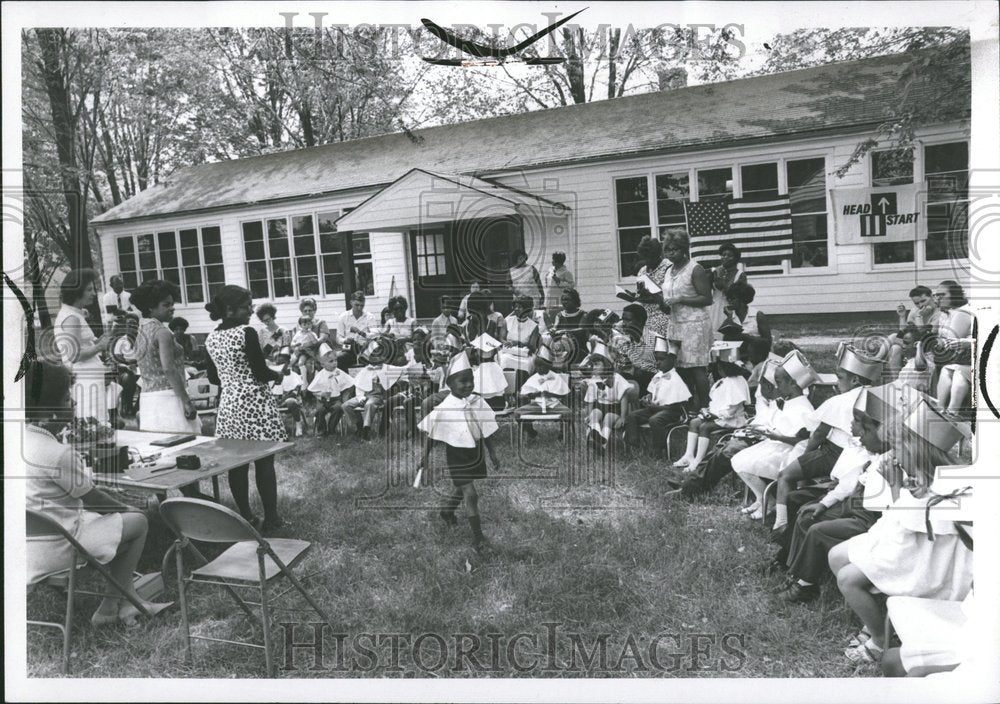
[[833, 96]]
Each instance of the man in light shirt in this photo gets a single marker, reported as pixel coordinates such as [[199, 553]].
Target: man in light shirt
[[117, 301], [557, 279], [353, 328]]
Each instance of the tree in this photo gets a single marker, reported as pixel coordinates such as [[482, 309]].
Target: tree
[[938, 58]]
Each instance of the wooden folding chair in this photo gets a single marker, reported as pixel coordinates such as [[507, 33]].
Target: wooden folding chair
[[251, 562], [38, 525]]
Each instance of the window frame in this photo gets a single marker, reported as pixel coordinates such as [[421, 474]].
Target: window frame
[[831, 244], [919, 261], [650, 208], [180, 266], [347, 256]]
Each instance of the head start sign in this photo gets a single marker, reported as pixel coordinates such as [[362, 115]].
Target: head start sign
[[878, 214]]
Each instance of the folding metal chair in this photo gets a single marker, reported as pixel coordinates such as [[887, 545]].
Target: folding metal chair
[[251, 562], [38, 525]]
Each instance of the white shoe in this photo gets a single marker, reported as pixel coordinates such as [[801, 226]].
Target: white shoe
[[682, 463], [752, 508], [299, 430]]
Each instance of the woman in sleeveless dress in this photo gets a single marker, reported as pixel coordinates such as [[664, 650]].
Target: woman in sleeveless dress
[[247, 410], [569, 335], [79, 347], [687, 290]]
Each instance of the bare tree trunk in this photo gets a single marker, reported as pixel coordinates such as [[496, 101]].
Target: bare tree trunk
[[52, 42]]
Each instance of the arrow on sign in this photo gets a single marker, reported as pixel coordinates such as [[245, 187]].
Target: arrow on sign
[[882, 203]]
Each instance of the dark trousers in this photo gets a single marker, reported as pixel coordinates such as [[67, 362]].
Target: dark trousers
[[710, 473], [795, 500], [660, 418], [811, 544]]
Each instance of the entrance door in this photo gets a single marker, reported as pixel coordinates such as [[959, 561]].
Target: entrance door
[[449, 257], [433, 269]]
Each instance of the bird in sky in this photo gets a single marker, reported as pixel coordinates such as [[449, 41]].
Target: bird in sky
[[486, 55]]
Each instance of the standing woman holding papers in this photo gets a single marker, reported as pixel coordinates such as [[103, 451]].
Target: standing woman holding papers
[[79, 347], [246, 406], [730, 271], [655, 269]]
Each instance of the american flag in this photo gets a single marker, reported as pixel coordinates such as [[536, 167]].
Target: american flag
[[760, 229]]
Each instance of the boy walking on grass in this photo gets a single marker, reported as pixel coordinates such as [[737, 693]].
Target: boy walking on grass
[[465, 424]]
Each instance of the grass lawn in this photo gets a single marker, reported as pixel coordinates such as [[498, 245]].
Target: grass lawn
[[608, 559]]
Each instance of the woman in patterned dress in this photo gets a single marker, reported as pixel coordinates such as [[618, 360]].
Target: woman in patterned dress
[[246, 406], [687, 290], [657, 313]]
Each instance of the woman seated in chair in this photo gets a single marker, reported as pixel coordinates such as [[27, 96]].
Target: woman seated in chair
[[57, 487]]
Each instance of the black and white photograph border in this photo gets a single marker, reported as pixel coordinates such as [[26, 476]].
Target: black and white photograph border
[[570, 563]]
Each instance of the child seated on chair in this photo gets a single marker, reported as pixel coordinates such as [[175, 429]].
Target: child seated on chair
[[606, 395], [726, 408], [303, 340], [332, 388], [663, 405], [786, 432], [288, 393], [369, 390], [831, 424], [841, 508], [917, 366], [706, 477], [545, 392]]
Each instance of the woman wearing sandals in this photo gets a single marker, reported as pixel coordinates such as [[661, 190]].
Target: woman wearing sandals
[[906, 553], [246, 406], [112, 532]]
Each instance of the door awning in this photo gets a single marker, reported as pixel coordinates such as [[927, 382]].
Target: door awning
[[427, 198]]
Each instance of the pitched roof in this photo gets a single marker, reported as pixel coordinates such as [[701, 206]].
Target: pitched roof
[[831, 97]]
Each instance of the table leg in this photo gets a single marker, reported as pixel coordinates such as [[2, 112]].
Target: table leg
[[215, 489]]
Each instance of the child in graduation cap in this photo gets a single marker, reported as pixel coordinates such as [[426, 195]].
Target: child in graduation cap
[[332, 389], [606, 394], [663, 404], [371, 387], [288, 392], [840, 513], [830, 426], [909, 551], [545, 392], [465, 424], [727, 401], [787, 428]]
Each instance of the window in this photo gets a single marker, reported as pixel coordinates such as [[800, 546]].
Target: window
[[170, 271], [279, 260], [430, 254], [672, 190], [632, 206], [361, 253], [715, 184], [304, 245], [215, 271], [147, 257], [126, 262], [175, 257], [332, 253], [309, 258], [256, 259], [946, 171], [892, 167], [807, 195], [760, 181]]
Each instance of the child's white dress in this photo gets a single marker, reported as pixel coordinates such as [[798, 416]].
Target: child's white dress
[[726, 393], [838, 413], [897, 557], [767, 458]]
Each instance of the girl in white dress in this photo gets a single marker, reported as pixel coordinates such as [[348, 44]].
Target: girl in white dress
[[606, 395], [896, 555], [726, 409], [787, 432]]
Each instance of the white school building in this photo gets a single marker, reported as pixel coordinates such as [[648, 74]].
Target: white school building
[[424, 214]]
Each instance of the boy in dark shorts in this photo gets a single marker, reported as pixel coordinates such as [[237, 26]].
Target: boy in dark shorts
[[465, 424]]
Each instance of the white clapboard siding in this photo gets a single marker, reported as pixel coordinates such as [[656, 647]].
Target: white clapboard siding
[[587, 232]]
